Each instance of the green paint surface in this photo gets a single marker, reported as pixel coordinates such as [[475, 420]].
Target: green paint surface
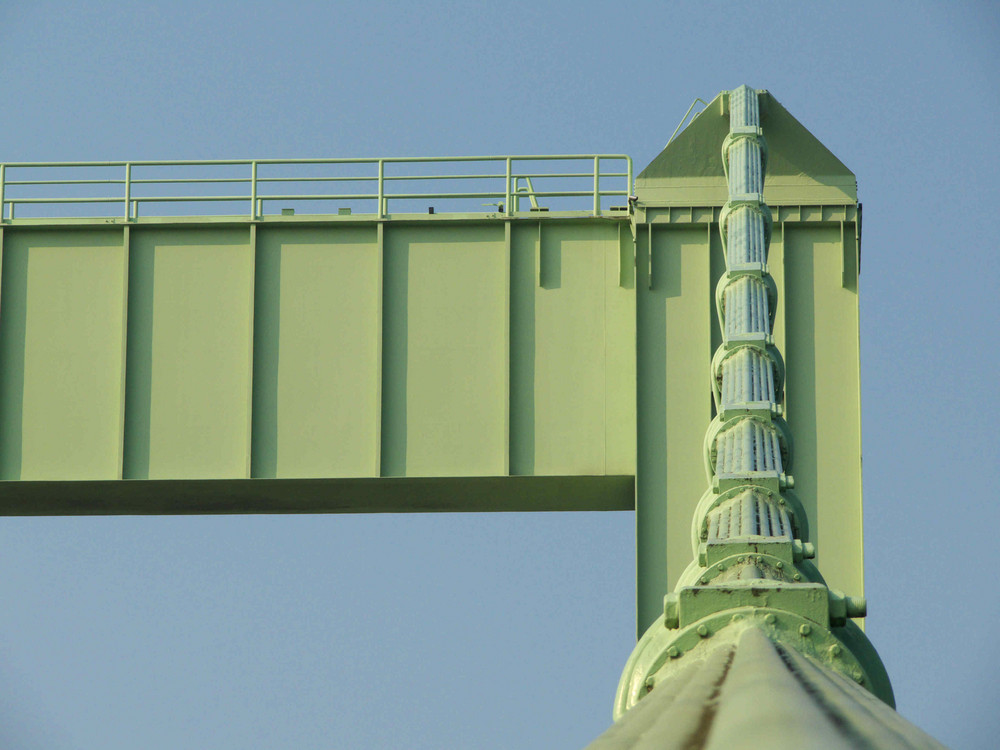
[[61, 341], [445, 357], [188, 384], [674, 330], [800, 169], [569, 351], [316, 350], [572, 365], [823, 407]]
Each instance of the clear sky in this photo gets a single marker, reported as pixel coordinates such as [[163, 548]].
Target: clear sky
[[509, 631]]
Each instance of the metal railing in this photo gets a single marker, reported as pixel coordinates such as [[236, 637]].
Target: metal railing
[[587, 182]]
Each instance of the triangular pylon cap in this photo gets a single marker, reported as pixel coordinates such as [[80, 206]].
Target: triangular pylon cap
[[800, 169]]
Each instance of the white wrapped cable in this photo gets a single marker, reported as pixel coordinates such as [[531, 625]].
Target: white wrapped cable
[[747, 378], [744, 109], [746, 237], [746, 167], [748, 446], [745, 308], [750, 513]]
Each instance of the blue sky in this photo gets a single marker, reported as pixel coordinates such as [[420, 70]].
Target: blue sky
[[508, 631]]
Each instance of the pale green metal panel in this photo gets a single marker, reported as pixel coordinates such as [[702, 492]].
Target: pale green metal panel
[[341, 348], [823, 407], [674, 316], [445, 364], [563, 278], [61, 344], [569, 342], [316, 349], [572, 349], [189, 354], [800, 169], [619, 349]]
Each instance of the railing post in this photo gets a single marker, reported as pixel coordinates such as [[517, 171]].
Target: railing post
[[254, 208], [381, 188], [628, 184], [3, 184], [507, 207], [597, 185], [128, 191]]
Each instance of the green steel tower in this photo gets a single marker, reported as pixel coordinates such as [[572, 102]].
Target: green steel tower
[[753, 648], [488, 333]]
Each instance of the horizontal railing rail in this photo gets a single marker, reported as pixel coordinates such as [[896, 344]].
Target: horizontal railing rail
[[587, 182]]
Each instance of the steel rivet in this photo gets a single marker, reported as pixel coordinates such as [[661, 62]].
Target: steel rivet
[[702, 631], [672, 652], [779, 565], [858, 676], [804, 629], [834, 650], [797, 577], [769, 618]]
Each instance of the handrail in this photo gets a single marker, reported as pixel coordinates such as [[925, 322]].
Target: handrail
[[27, 187], [684, 118]]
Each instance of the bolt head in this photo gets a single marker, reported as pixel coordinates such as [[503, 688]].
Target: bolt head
[[702, 631]]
